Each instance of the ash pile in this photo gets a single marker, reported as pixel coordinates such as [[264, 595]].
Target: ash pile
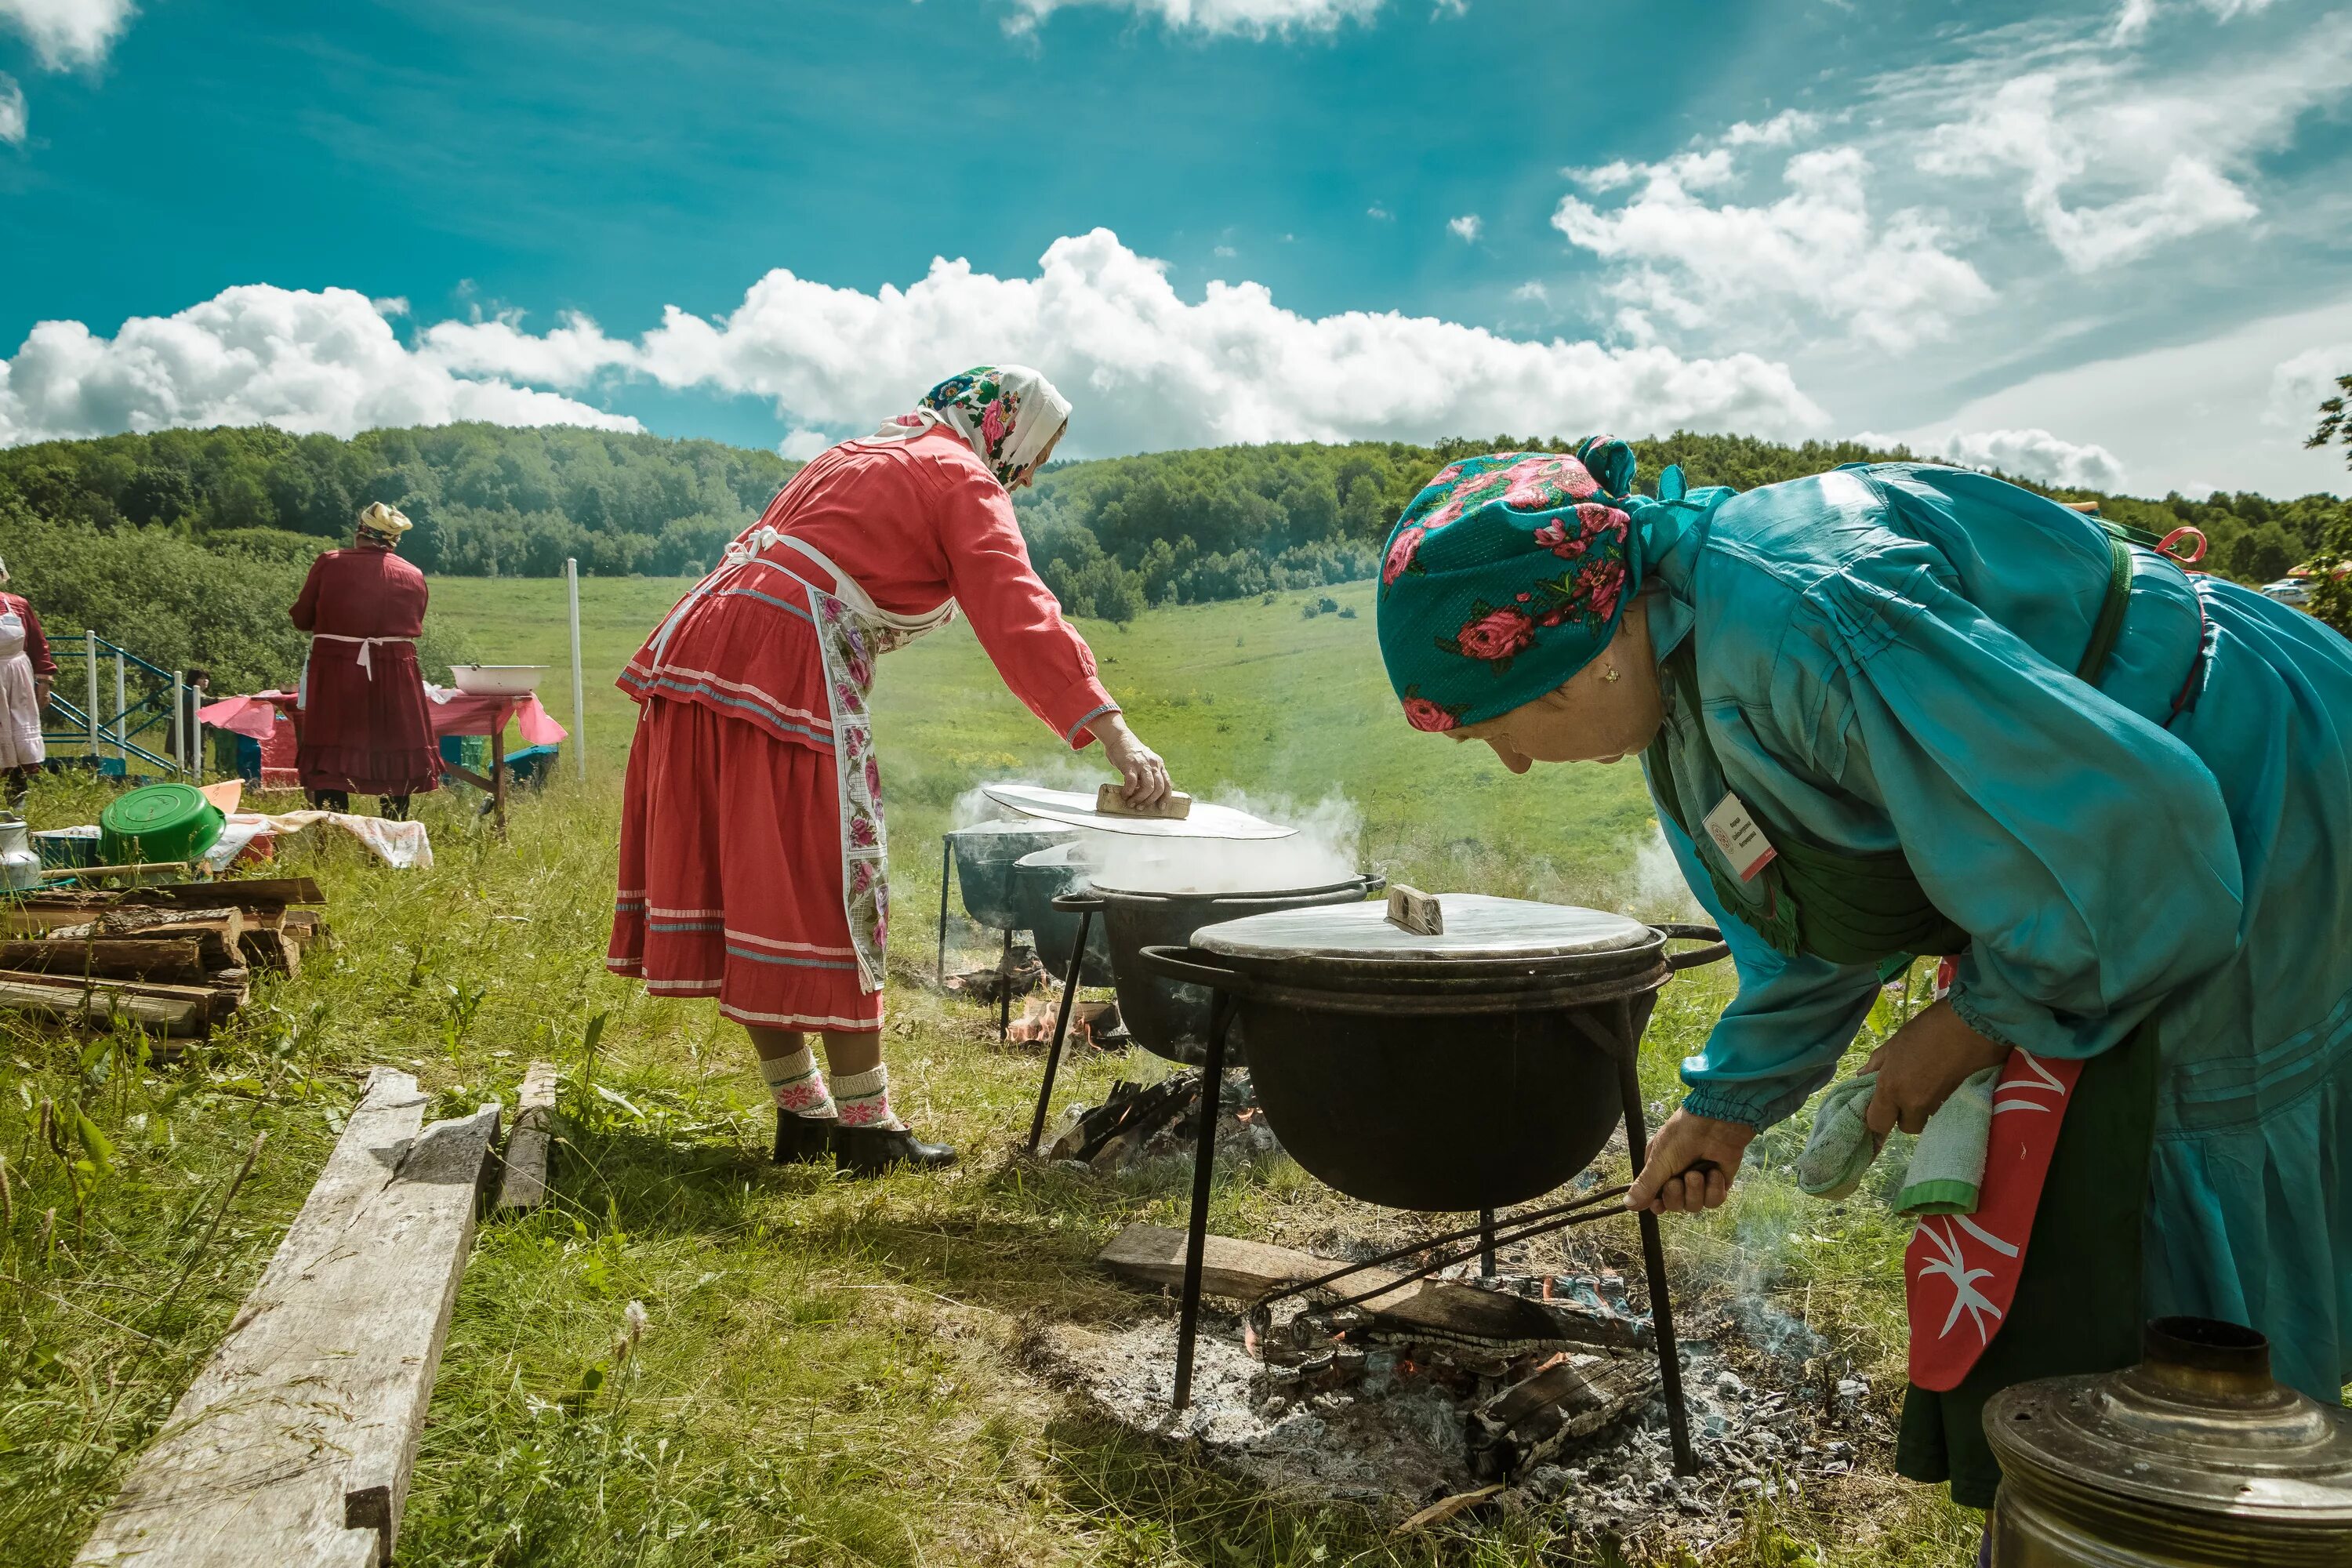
[[1523, 1390], [1139, 1123]]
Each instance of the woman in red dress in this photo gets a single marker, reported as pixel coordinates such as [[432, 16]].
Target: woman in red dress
[[751, 840], [26, 670], [360, 714]]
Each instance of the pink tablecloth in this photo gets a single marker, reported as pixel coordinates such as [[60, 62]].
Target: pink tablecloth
[[453, 713]]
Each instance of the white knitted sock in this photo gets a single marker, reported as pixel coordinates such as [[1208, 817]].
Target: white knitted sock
[[865, 1098], [797, 1083]]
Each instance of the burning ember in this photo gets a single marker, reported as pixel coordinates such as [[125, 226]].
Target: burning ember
[[1541, 1387], [1092, 1023], [1137, 1122]]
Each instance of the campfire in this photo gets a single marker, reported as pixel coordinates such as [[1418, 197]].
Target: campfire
[[1094, 1025], [1537, 1385], [1139, 1123]]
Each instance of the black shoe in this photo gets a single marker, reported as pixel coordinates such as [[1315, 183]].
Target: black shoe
[[870, 1151], [802, 1137]]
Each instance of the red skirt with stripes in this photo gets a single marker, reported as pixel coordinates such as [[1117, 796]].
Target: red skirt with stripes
[[731, 874]]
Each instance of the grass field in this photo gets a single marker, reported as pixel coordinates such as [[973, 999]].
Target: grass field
[[830, 1374]]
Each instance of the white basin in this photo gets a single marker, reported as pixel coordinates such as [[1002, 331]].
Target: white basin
[[496, 679]]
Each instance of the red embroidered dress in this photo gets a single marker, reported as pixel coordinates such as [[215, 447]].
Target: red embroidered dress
[[752, 838], [362, 726]]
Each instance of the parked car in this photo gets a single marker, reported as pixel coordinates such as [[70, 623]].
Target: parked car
[[2288, 591]]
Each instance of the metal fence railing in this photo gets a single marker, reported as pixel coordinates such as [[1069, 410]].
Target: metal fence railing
[[108, 702]]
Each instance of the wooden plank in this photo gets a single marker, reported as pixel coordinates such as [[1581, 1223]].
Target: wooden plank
[[1411, 909], [295, 1444], [217, 1000], [1246, 1270], [180, 959], [218, 930], [523, 1185], [70, 1003], [246, 892]]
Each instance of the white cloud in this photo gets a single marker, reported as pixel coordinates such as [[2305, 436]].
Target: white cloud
[[2134, 18], [12, 111], [255, 354], [1380, 212], [1782, 130], [68, 33], [1465, 228], [2115, 163], [2300, 383], [1533, 291], [2029, 454], [1227, 252], [1253, 19], [799, 446], [1817, 249], [1149, 369]]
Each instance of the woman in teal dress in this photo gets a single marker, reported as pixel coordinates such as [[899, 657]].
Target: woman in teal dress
[[1951, 716]]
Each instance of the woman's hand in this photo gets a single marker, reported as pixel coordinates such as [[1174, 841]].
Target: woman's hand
[[1917, 1070], [41, 693], [1668, 1184], [1146, 776]]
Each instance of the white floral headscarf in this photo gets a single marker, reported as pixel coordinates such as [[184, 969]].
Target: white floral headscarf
[[1008, 414]]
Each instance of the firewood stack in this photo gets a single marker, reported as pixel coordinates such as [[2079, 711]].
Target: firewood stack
[[176, 958]]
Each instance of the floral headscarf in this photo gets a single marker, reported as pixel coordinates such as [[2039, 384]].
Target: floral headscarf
[[1008, 414], [1506, 575]]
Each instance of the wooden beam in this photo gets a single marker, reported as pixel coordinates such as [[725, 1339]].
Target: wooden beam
[[102, 1003], [295, 1444], [247, 893], [215, 1001], [523, 1185], [1246, 1270], [173, 958]]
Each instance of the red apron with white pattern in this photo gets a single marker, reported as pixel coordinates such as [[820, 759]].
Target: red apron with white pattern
[[1960, 1272]]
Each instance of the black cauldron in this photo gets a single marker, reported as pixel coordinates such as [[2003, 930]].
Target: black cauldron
[[1475, 1071], [1167, 1012], [1038, 879], [986, 855]]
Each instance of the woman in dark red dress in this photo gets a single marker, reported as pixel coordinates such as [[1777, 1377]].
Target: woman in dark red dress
[[752, 856], [360, 716]]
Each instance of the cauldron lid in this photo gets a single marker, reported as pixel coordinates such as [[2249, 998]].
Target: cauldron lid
[[1068, 806], [1477, 927]]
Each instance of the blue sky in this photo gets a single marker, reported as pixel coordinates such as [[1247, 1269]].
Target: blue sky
[[2104, 242]]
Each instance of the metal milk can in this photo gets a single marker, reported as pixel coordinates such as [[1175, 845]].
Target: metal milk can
[[2192, 1457], [20, 863]]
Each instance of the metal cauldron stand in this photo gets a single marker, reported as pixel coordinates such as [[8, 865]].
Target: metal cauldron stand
[[1604, 1012]]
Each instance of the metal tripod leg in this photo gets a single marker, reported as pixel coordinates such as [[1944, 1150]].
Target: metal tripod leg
[[947, 856], [1004, 990], [1485, 1244], [1061, 1029], [1653, 1257], [1204, 1161]]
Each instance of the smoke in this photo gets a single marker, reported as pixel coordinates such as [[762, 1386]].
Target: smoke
[[1658, 891], [1325, 850]]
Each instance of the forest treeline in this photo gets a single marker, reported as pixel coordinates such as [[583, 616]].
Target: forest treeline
[[1111, 536]]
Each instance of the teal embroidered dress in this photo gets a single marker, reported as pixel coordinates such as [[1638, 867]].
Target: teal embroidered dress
[[1883, 660]]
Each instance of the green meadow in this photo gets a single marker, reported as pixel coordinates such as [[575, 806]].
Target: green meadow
[[833, 1373]]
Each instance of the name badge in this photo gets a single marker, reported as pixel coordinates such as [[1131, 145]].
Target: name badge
[[1735, 834]]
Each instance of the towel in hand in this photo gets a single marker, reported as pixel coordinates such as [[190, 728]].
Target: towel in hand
[[1947, 1167]]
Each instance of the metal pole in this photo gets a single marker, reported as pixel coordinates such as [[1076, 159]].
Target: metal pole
[[947, 850], [89, 647], [1205, 1162], [179, 721], [122, 701], [579, 689], [1654, 1253], [1061, 1029], [1485, 1244]]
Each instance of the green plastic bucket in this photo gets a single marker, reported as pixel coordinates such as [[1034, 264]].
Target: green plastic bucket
[[158, 822]]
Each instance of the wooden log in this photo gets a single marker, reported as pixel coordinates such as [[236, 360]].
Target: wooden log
[[70, 1003], [215, 1002], [246, 892], [272, 951], [175, 958], [305, 927], [1533, 1419], [296, 1443], [217, 928], [1246, 1270], [523, 1185]]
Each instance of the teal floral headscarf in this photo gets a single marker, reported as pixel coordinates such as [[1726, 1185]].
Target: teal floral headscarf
[[1506, 575]]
